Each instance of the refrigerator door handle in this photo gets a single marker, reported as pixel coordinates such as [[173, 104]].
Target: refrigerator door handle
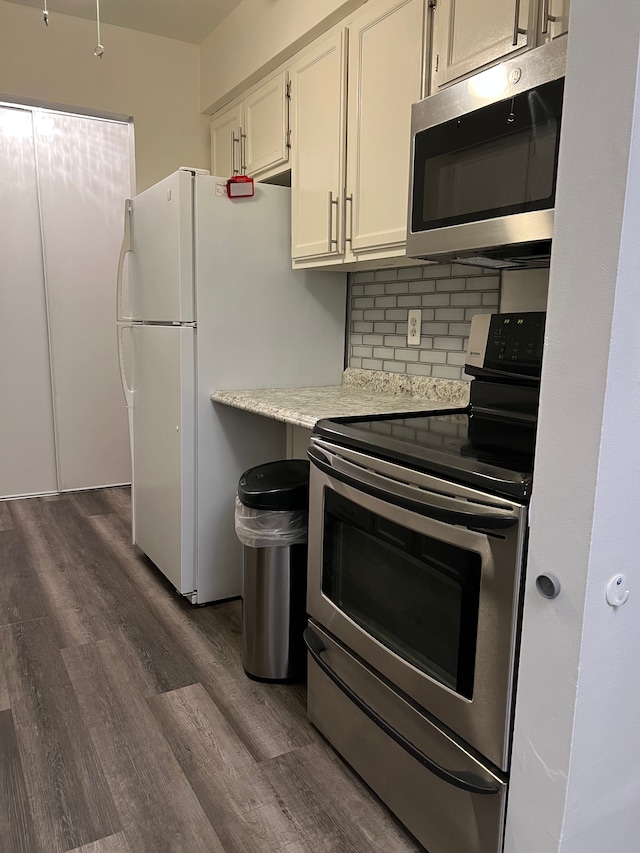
[[124, 250], [126, 390]]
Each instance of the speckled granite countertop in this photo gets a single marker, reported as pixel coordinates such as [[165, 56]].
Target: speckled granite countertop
[[363, 392]]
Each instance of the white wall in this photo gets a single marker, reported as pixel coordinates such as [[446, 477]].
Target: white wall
[[155, 80], [575, 782], [256, 37]]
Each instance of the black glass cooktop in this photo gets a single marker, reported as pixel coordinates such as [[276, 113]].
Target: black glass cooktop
[[490, 453]]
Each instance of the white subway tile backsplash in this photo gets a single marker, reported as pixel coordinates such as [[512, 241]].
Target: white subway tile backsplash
[[445, 372], [395, 340], [433, 357], [383, 352], [407, 354], [439, 343], [437, 271], [491, 282], [398, 314], [449, 284], [409, 301], [386, 301], [448, 296], [407, 273], [435, 328], [371, 364], [363, 302], [419, 369], [449, 315], [386, 275], [422, 286], [466, 299], [397, 287], [365, 352], [460, 329], [373, 289]]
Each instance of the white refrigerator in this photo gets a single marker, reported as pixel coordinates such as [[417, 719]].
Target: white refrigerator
[[207, 300]]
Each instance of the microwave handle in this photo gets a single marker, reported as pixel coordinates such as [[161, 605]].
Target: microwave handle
[[482, 520], [466, 780]]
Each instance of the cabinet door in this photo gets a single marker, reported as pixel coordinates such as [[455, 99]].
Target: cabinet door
[[385, 78], [225, 141], [471, 33], [264, 145], [554, 18], [318, 108]]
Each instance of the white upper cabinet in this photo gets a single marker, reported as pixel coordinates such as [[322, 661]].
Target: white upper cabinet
[[318, 121], [471, 34], [250, 137], [350, 135], [386, 48], [468, 34], [225, 152]]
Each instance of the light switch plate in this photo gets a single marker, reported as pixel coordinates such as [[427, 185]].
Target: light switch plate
[[413, 331]]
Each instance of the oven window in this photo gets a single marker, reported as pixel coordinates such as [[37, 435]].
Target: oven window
[[416, 595], [496, 161]]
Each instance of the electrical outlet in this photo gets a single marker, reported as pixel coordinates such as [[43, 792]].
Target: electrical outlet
[[413, 332]]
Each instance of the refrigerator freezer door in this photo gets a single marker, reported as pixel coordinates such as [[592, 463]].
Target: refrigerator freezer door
[[164, 450], [161, 260]]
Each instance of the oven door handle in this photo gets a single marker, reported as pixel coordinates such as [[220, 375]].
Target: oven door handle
[[482, 520], [466, 780]]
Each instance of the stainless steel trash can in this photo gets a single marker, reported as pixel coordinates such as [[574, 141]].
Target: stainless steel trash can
[[271, 522]]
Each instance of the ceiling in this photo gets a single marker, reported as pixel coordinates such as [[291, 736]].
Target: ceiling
[[186, 20]]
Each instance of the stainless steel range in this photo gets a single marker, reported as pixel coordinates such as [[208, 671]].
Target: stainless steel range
[[417, 548]]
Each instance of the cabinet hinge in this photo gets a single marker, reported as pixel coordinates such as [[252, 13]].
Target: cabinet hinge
[[437, 61], [288, 90], [288, 139], [432, 4]]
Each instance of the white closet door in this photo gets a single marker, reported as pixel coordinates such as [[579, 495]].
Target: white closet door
[[27, 455], [85, 176]]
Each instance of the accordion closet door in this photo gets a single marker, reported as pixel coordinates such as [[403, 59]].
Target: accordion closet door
[[63, 182]]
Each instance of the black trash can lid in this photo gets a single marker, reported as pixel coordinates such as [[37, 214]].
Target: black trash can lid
[[281, 485]]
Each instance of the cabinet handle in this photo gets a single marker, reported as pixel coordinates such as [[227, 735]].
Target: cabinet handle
[[234, 171], [243, 151], [517, 29], [349, 239], [546, 17], [332, 201]]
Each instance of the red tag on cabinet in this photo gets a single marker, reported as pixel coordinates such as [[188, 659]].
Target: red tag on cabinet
[[240, 186]]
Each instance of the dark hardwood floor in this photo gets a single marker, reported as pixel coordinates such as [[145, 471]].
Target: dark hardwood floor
[[127, 724]]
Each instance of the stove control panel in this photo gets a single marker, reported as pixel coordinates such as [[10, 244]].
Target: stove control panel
[[508, 345]]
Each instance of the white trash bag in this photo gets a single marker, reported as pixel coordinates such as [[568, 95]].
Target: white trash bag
[[264, 528]]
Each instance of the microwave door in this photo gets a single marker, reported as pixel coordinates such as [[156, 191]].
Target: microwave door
[[484, 174]]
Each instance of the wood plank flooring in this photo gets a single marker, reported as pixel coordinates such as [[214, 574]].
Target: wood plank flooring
[[127, 724]]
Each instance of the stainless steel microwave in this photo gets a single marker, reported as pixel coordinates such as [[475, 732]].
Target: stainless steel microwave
[[484, 160]]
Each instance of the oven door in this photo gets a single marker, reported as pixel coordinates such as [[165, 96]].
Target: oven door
[[420, 578]]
